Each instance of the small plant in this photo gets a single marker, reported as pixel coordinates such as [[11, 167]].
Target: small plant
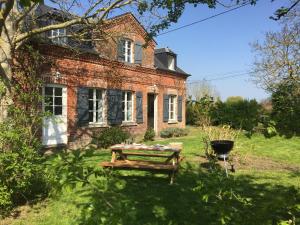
[[224, 132], [173, 132], [149, 135], [110, 136]]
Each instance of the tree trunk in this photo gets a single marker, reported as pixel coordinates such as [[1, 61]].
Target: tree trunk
[[6, 57]]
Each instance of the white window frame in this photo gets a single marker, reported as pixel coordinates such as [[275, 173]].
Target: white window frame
[[94, 110], [124, 102], [58, 37], [174, 103], [53, 96], [171, 62], [128, 57]]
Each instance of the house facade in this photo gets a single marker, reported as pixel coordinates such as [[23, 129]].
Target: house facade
[[122, 81]]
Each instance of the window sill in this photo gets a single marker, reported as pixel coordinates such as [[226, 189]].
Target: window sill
[[172, 121], [97, 125], [127, 124]]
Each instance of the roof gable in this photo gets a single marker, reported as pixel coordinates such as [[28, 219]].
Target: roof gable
[[129, 18]]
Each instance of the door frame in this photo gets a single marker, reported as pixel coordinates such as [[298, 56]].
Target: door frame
[[64, 115], [155, 113]]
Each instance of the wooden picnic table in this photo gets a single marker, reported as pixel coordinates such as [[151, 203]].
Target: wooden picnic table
[[121, 153]]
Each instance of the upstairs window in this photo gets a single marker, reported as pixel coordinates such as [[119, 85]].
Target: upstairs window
[[127, 101], [96, 106], [171, 62], [58, 36], [125, 51], [172, 108]]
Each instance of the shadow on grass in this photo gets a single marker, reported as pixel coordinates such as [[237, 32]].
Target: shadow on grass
[[197, 197]]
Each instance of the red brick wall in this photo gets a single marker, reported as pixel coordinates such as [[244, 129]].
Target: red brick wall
[[125, 27], [91, 71]]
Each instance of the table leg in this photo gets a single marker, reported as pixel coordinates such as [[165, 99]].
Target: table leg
[[113, 156]]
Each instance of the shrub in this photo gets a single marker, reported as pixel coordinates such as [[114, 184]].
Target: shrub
[[5, 200], [173, 132], [21, 167], [149, 135], [197, 112], [239, 114], [110, 136], [286, 108]]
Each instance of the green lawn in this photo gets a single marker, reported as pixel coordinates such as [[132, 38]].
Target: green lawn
[[258, 194]]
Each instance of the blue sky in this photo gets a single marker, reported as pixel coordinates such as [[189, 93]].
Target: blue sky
[[221, 45]]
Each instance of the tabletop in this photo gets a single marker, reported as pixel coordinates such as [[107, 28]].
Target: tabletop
[[161, 148]]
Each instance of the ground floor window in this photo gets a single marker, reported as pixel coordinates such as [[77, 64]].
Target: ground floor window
[[172, 108], [96, 106], [127, 101], [53, 100]]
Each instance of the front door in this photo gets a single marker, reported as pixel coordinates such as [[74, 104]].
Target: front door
[[55, 123], [152, 111]]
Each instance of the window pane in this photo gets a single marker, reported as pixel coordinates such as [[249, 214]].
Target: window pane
[[172, 107], [48, 101], [91, 105], [58, 91], [128, 44], [58, 101], [54, 33], [129, 111], [91, 117], [129, 96], [91, 93], [100, 116], [58, 110], [49, 109], [98, 94], [49, 91], [97, 119], [172, 115]]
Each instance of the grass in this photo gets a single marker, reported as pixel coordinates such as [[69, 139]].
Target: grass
[[259, 194]]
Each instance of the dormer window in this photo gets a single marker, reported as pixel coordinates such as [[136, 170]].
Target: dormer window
[[171, 62], [58, 36], [125, 50]]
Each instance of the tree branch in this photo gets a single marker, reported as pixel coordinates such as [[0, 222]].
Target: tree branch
[[4, 12], [40, 30]]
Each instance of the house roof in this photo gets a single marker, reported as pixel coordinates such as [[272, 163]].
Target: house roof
[[43, 10], [164, 50], [160, 65]]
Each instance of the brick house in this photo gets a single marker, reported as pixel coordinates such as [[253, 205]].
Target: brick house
[[116, 82]]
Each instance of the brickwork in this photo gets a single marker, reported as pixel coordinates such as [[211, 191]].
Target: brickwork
[[103, 71], [125, 27]]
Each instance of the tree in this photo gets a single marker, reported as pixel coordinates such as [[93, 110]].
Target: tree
[[15, 15], [286, 108], [234, 99], [202, 89], [18, 24], [277, 58], [277, 70]]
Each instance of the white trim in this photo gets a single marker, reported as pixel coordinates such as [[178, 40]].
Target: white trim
[[155, 113], [126, 41], [58, 37], [125, 106], [55, 128], [174, 98], [94, 110]]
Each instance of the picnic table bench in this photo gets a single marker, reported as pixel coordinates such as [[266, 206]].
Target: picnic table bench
[[121, 153]]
